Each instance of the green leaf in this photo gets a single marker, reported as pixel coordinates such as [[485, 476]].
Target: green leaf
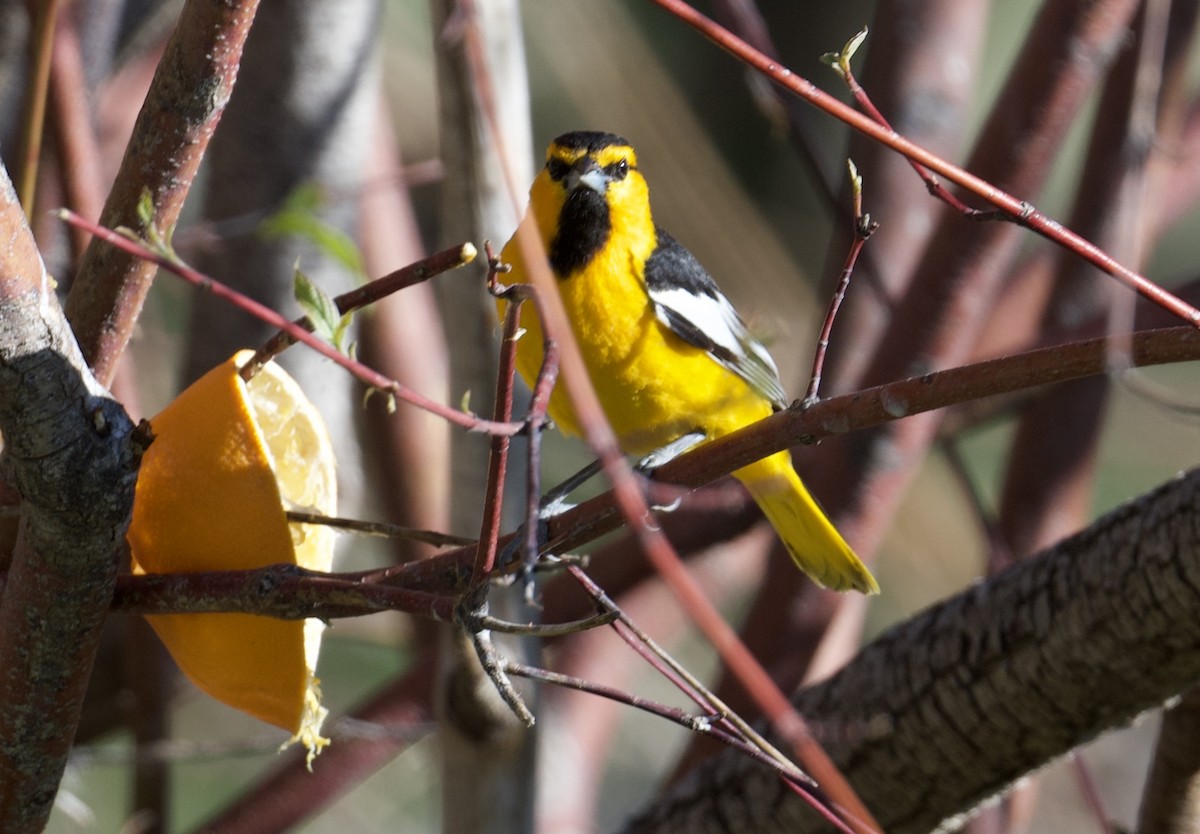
[[299, 216], [327, 322], [145, 208]]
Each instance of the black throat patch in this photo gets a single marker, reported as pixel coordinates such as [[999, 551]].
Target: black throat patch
[[583, 229]]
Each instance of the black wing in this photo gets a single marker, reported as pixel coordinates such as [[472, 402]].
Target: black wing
[[687, 300]]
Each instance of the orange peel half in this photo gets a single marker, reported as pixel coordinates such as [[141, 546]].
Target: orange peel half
[[229, 458]]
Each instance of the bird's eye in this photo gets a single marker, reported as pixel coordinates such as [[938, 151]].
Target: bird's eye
[[617, 171], [557, 169]]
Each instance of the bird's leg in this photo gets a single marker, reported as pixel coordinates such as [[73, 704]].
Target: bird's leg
[[658, 457], [554, 502], [672, 450]]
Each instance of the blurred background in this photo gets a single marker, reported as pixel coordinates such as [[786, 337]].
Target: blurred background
[[729, 179]]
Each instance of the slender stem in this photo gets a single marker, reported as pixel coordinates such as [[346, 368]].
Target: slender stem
[[708, 724], [545, 630], [487, 547], [281, 591], [543, 387], [863, 228], [33, 125], [1017, 209], [361, 372], [931, 182], [380, 528], [365, 295], [834, 416]]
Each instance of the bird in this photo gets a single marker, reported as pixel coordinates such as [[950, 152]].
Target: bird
[[667, 353]]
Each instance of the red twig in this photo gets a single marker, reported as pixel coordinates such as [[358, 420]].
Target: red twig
[[843, 68], [295, 331], [1016, 209], [809, 750], [709, 724], [366, 295], [834, 416], [493, 502], [863, 227]]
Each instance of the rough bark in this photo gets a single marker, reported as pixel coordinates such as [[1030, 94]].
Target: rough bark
[[951, 707], [67, 452]]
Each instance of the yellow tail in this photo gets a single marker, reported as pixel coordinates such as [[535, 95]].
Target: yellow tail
[[816, 546]]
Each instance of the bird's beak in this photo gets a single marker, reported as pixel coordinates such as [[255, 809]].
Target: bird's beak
[[588, 174]]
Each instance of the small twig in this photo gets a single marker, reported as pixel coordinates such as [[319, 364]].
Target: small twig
[[864, 227], [365, 295], [471, 613], [361, 372], [544, 630], [740, 733], [1016, 209], [839, 415], [492, 662], [380, 528], [516, 295], [708, 724], [37, 89], [695, 723], [683, 680], [487, 546], [286, 592], [840, 62]]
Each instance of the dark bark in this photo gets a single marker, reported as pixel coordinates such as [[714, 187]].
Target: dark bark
[[951, 707], [68, 452]]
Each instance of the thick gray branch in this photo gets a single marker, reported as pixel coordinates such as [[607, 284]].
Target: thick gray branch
[[954, 705], [67, 451]]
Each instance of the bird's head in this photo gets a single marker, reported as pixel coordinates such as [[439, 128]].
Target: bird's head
[[589, 187]]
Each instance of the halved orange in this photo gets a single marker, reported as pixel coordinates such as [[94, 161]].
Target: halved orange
[[228, 459]]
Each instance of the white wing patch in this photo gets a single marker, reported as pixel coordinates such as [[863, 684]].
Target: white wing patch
[[712, 323], [714, 317]]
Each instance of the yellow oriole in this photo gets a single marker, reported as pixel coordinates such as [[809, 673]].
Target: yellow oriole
[[666, 351]]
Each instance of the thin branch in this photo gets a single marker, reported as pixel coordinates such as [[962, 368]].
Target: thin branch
[[1016, 209], [283, 591], [864, 226], [706, 724], [834, 416], [364, 374], [841, 63], [170, 137], [380, 528], [359, 297], [33, 122]]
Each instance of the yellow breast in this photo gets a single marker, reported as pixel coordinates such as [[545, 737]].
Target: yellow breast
[[653, 386]]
